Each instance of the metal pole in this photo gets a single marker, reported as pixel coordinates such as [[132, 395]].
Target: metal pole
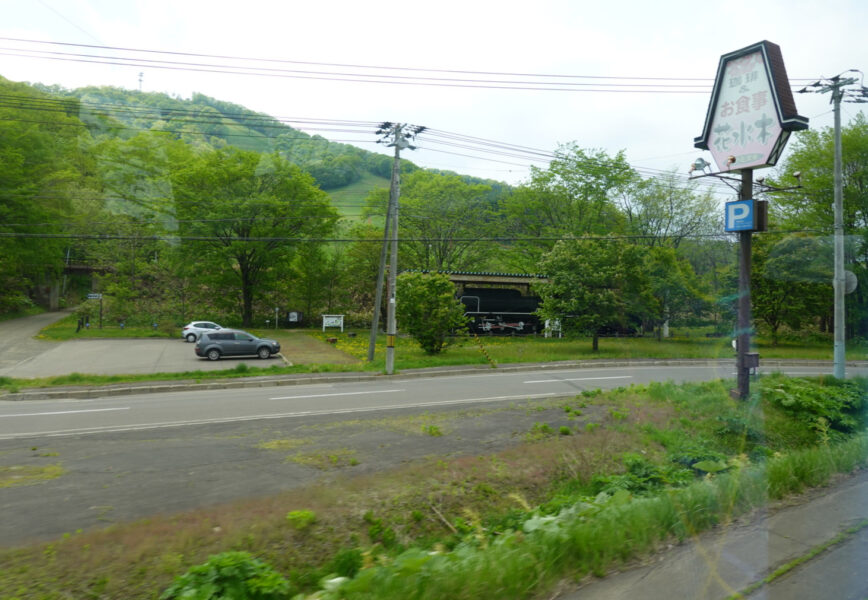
[[391, 324], [744, 316], [378, 300], [839, 282]]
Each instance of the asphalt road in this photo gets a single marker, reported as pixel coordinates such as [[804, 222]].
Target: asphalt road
[[52, 418]]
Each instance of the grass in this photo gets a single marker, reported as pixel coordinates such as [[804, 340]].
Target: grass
[[350, 200], [498, 525], [509, 350], [18, 475]]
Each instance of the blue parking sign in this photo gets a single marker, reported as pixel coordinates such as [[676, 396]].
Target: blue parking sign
[[740, 216]]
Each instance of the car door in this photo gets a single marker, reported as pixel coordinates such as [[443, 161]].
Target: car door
[[244, 343]]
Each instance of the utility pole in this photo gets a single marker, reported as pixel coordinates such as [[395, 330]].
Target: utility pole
[[836, 85], [397, 135]]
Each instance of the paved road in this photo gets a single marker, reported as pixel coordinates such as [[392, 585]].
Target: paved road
[[154, 411]]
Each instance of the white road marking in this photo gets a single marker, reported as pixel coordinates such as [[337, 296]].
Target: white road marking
[[308, 413], [336, 394], [64, 412], [578, 379]]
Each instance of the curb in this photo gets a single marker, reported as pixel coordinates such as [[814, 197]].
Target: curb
[[307, 378]]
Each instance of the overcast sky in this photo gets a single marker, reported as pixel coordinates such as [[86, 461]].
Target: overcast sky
[[678, 42]]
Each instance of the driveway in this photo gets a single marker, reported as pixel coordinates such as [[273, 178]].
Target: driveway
[[19, 344]]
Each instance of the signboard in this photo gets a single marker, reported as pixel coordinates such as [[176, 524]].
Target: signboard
[[740, 216], [332, 321], [94, 296], [752, 111]]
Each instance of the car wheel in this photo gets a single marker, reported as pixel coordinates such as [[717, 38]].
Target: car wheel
[[213, 354], [191, 337], [263, 353]]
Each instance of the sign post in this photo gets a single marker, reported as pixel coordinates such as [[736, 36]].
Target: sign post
[[749, 120]]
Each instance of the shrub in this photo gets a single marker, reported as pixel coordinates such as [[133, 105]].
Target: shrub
[[842, 403], [428, 309], [301, 519], [229, 576]]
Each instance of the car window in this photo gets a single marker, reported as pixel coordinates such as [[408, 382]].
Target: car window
[[244, 337]]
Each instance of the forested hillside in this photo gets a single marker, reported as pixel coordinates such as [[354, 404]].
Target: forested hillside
[[176, 209]]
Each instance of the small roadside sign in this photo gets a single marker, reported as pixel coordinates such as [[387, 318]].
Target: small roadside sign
[[740, 216], [94, 296]]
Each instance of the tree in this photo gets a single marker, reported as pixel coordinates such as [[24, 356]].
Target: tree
[[575, 196], [443, 218], [811, 206], [428, 310], [790, 281], [665, 211], [594, 284], [41, 176], [674, 287], [250, 212]]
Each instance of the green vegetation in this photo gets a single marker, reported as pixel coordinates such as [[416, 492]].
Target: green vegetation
[[428, 310], [29, 474], [663, 463], [229, 575], [176, 208]]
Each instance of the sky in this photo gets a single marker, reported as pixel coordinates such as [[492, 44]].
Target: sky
[[650, 52]]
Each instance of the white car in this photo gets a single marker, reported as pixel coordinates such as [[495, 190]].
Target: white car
[[192, 331]]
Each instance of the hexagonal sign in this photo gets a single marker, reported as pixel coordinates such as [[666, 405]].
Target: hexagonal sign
[[752, 111]]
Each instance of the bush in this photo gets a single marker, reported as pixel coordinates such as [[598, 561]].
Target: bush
[[229, 576], [301, 519], [428, 309], [842, 403]]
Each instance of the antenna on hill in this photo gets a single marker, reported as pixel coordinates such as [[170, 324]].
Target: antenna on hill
[[141, 76]]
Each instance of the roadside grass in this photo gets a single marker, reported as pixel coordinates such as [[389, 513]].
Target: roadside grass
[[481, 350], [663, 463]]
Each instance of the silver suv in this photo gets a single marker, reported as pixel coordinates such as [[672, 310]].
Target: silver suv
[[234, 342]]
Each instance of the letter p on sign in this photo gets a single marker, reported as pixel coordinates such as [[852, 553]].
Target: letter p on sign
[[740, 216]]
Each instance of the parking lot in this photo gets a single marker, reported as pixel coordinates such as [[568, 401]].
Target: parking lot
[[26, 357]]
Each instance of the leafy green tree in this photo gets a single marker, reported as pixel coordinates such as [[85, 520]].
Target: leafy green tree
[[249, 213], [790, 282], [442, 217], [811, 206], [428, 310], [41, 177], [595, 284], [674, 287], [575, 196], [664, 211]]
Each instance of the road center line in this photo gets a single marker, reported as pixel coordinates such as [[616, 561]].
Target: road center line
[[578, 379], [64, 412], [336, 394]]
